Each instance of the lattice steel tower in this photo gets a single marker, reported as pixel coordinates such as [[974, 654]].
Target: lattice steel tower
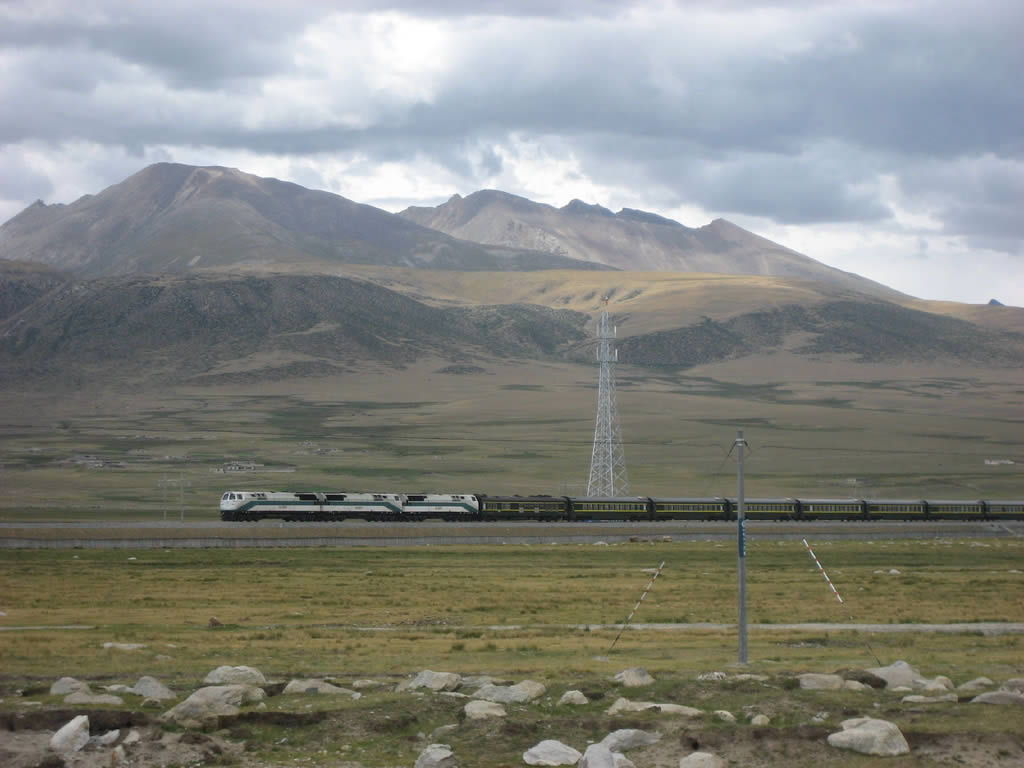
[[607, 462]]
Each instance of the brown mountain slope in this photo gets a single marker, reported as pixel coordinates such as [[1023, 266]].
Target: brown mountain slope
[[23, 283], [154, 331], [159, 330], [628, 240], [175, 218]]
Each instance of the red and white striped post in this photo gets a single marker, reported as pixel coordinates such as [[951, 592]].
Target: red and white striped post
[[630, 617], [827, 579]]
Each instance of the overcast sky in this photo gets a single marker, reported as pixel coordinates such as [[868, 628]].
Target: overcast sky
[[883, 138]]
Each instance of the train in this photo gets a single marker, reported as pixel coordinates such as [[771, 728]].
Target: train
[[328, 506]]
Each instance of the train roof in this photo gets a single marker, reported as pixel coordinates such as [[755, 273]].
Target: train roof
[[608, 498], [689, 498]]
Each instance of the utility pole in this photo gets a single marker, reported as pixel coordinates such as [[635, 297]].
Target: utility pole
[[741, 569]]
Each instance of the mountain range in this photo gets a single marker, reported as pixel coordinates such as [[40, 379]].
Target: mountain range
[[211, 275], [631, 240], [172, 218]]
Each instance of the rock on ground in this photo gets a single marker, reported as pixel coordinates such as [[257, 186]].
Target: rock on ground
[[82, 697], [481, 710], [712, 677], [999, 697], [226, 675], [626, 739], [760, 721], [899, 673], [597, 756], [701, 760], [870, 737], [361, 684], [67, 685], [918, 699], [315, 685], [573, 697], [551, 752], [436, 756], [625, 705], [151, 688], [435, 681], [725, 716], [976, 684], [634, 677], [528, 690], [811, 681], [72, 736], [206, 704], [1015, 684]]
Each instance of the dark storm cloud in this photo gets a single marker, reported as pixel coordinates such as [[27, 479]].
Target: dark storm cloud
[[188, 44], [980, 199]]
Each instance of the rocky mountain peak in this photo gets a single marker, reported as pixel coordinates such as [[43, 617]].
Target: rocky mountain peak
[[645, 217], [576, 206]]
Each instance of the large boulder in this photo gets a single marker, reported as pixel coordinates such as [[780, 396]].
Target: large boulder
[[625, 705], [701, 760], [482, 710], [528, 690], [861, 676], [597, 756], [72, 736], [870, 737], [551, 752], [207, 704], [67, 685], [436, 756], [316, 685], [626, 739], [1015, 684], [977, 684], [435, 681], [999, 697], [898, 674], [634, 677], [151, 688], [811, 681], [235, 676]]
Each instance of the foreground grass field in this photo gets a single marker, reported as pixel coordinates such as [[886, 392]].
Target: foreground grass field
[[514, 612], [369, 612]]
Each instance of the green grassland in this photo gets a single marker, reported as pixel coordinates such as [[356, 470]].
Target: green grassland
[[815, 430], [515, 612], [432, 598]]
